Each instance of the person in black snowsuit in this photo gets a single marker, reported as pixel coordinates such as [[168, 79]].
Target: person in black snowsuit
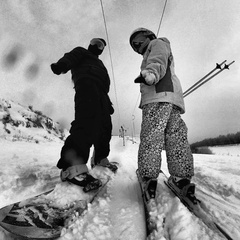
[[92, 124]]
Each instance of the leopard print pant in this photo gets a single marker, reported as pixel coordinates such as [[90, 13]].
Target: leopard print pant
[[162, 127]]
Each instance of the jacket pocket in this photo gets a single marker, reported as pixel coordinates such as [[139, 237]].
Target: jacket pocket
[[165, 84]]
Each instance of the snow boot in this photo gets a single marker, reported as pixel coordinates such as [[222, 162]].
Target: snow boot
[[104, 163], [184, 188]]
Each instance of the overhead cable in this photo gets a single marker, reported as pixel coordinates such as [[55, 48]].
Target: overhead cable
[[161, 17], [156, 35], [110, 55]]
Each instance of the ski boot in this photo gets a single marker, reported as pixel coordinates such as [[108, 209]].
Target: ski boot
[[82, 179], [150, 188], [184, 188], [104, 163]]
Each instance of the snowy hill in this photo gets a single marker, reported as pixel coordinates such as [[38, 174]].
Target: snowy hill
[[19, 123], [29, 168], [228, 150]]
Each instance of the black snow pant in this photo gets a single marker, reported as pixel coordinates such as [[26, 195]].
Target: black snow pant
[[92, 126]]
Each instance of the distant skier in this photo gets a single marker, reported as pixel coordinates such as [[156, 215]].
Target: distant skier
[[161, 104], [92, 124]]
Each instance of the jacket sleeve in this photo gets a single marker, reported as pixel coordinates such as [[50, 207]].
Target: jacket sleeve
[[73, 58], [157, 60]]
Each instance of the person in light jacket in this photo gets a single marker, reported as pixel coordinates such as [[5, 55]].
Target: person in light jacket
[[92, 124], [162, 125]]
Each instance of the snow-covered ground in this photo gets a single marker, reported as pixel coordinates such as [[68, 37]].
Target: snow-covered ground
[[29, 168], [22, 123], [229, 150]]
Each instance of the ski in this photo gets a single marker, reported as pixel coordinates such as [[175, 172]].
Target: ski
[[149, 205], [200, 211]]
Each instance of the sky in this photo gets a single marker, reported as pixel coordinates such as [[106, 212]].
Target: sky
[[34, 34]]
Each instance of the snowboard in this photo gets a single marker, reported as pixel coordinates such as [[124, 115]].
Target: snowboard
[[39, 218]]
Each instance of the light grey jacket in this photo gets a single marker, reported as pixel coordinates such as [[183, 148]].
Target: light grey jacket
[[158, 59]]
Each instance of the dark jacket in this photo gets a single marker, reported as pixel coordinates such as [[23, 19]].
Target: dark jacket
[[85, 65]]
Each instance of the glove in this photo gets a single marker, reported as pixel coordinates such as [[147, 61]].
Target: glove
[[140, 79], [59, 68], [111, 110], [110, 106], [149, 77]]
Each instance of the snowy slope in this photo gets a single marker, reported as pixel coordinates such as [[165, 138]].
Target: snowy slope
[[29, 168], [21, 123], [229, 150]]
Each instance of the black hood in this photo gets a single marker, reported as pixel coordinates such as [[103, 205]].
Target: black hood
[[94, 50]]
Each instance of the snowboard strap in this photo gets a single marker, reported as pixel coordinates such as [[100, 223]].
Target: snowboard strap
[[73, 171]]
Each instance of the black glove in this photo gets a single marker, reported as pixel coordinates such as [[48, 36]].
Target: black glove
[[59, 68], [111, 109], [110, 106], [140, 79]]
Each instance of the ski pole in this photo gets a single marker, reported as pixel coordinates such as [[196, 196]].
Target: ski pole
[[218, 66], [226, 66]]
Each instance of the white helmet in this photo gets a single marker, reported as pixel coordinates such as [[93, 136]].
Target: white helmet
[[146, 32]]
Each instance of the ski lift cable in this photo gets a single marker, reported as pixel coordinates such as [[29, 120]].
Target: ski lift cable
[[162, 17], [110, 55], [159, 26]]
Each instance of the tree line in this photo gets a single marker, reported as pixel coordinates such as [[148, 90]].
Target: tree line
[[228, 139]]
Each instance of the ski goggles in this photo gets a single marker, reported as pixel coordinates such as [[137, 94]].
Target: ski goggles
[[137, 45], [96, 41]]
